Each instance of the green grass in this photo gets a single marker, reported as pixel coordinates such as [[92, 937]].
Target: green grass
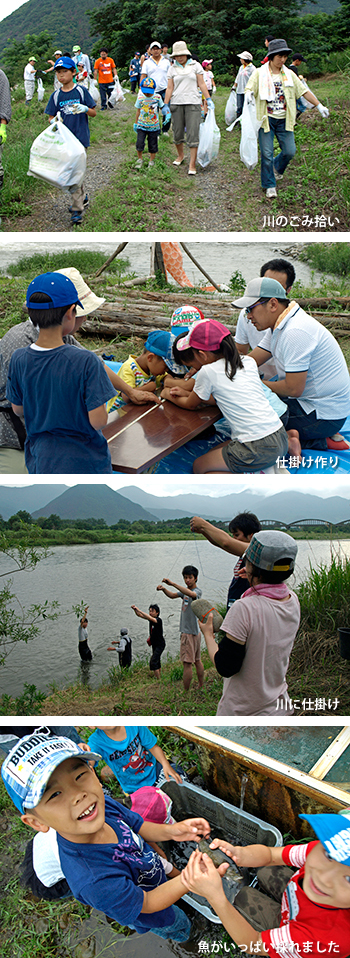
[[329, 258], [87, 261]]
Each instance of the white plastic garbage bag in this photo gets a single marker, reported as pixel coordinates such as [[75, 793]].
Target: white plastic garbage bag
[[231, 108], [93, 89], [41, 89], [250, 126], [57, 156], [209, 140], [117, 93]]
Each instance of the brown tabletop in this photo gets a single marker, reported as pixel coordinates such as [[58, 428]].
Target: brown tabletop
[[139, 436]]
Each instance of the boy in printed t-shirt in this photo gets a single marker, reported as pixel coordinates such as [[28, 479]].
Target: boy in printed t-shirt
[[133, 756], [190, 639], [60, 390], [75, 104], [146, 371], [147, 120], [103, 846], [310, 914]]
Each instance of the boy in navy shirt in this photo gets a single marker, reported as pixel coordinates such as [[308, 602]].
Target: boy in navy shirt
[[75, 104], [61, 391], [102, 845]]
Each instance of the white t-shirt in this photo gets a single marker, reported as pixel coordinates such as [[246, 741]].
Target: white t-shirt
[[268, 628], [46, 859], [299, 344], [247, 335], [186, 89], [158, 71], [29, 72], [242, 400]]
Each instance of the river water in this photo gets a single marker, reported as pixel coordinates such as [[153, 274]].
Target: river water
[[220, 260], [110, 578]]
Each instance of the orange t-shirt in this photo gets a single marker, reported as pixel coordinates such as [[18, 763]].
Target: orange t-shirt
[[105, 68]]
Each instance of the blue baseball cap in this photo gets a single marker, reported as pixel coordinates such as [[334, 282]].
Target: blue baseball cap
[[159, 342], [333, 831], [65, 62], [59, 287], [148, 85], [31, 762]]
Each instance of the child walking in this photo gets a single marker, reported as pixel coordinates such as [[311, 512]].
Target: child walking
[[258, 436], [75, 104], [103, 846], [190, 638], [147, 124], [60, 390]]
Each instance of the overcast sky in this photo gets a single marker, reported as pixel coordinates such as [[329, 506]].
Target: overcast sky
[[323, 486], [7, 7]]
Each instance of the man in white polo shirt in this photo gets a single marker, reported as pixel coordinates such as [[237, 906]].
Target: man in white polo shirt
[[314, 379], [156, 67], [246, 336]]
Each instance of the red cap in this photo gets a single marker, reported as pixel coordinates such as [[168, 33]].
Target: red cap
[[206, 334]]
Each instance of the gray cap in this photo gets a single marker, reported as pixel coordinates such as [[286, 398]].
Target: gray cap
[[260, 288], [267, 549], [277, 46]]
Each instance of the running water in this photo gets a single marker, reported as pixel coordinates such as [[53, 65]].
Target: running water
[[244, 781]]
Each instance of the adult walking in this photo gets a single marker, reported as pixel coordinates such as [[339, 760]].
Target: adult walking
[[105, 72], [276, 90], [29, 79], [185, 80], [5, 116], [260, 630], [156, 67]]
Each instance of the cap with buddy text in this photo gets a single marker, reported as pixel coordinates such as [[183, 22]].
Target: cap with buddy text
[[28, 767]]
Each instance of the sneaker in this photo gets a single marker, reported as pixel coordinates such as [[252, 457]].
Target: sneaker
[[278, 176], [271, 192], [151, 163], [138, 164], [76, 218], [85, 202]]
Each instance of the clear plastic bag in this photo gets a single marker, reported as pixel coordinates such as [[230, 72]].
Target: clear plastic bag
[[209, 140], [93, 90], [41, 89], [57, 156], [231, 108], [250, 126], [117, 94]]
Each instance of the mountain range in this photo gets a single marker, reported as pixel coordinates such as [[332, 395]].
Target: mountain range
[[85, 501]]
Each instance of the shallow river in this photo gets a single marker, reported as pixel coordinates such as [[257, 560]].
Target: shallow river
[[109, 578]]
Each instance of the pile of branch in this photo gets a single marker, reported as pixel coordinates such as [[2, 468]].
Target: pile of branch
[[135, 314]]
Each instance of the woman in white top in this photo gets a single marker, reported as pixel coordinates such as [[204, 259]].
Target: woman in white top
[[245, 71], [185, 83], [260, 630], [258, 437], [29, 79]]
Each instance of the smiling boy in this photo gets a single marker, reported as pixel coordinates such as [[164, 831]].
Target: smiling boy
[[102, 845]]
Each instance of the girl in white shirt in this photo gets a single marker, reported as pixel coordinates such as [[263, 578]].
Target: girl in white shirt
[[231, 381]]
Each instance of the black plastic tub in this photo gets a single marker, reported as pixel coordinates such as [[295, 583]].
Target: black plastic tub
[[227, 822]]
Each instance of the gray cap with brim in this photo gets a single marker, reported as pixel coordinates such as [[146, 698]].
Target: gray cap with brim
[[260, 288]]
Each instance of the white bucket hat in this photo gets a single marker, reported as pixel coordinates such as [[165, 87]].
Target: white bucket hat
[[89, 300], [180, 49], [245, 55]]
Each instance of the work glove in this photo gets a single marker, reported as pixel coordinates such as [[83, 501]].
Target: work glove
[[210, 103], [79, 108], [135, 127], [3, 132], [323, 110], [166, 111]]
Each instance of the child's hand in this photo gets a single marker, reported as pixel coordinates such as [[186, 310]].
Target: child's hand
[[169, 772], [177, 391], [160, 588], [135, 127], [236, 852], [190, 830], [201, 876], [167, 581], [80, 108], [207, 626]]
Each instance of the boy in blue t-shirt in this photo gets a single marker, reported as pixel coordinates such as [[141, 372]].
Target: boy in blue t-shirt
[[147, 120], [132, 755], [103, 846], [75, 104], [61, 391]]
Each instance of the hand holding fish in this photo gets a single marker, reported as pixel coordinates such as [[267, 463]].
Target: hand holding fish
[[201, 876], [188, 830]]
